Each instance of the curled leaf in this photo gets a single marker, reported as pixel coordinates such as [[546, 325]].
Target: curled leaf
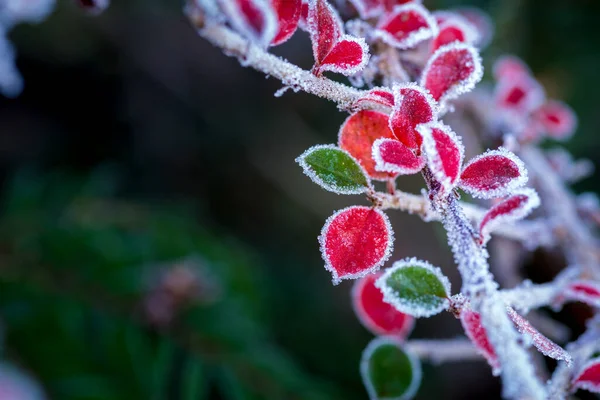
[[288, 16], [355, 241], [376, 315], [444, 152], [334, 169], [455, 29], [254, 19], [406, 26], [389, 372], [413, 106], [378, 96], [495, 173], [392, 156], [471, 322], [415, 287]]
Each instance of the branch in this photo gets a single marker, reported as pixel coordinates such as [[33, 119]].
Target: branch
[[449, 350], [255, 57]]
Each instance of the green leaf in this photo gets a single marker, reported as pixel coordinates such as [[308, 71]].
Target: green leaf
[[415, 287], [334, 169], [388, 371]]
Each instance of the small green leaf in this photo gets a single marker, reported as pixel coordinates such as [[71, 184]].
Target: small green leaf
[[415, 287], [388, 371], [334, 169]]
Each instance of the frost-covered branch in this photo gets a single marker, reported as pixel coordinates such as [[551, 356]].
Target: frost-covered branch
[[440, 351]]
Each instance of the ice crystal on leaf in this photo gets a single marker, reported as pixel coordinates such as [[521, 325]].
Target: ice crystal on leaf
[[288, 16], [389, 371], [375, 314], [406, 26], [589, 377], [413, 106], [355, 241], [517, 206], [332, 49], [471, 322], [495, 173], [544, 345], [376, 96], [415, 287], [254, 19], [357, 135], [444, 151], [334, 169], [452, 70], [455, 29], [556, 119], [392, 156]]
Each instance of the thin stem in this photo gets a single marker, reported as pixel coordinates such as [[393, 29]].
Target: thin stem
[[449, 350]]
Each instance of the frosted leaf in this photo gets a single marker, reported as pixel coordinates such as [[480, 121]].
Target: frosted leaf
[[388, 371], [452, 70], [493, 174], [254, 19], [16, 385], [441, 16], [444, 151], [94, 7], [519, 95], [379, 317], [520, 203], [544, 345], [355, 241], [376, 96], [392, 156], [334, 170], [415, 287], [17, 11], [347, 57], [587, 292], [589, 377], [406, 26], [357, 135], [481, 21], [413, 106], [557, 119], [455, 29], [288, 16], [11, 82], [471, 322], [508, 67]]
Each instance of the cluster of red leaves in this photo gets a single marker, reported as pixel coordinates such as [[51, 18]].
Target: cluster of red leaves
[[523, 105]]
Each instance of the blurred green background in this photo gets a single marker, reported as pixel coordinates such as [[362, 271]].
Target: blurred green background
[[157, 240]]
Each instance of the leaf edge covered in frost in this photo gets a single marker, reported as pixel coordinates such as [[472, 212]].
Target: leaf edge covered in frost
[[414, 38], [308, 171], [238, 21], [409, 307], [590, 387], [336, 279], [384, 166], [414, 361], [353, 69]]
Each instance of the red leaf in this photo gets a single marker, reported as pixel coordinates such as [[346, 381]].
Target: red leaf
[[482, 23], [406, 26], [493, 174], [455, 29], [508, 67], [452, 70], [413, 106], [355, 241], [376, 315], [584, 291], [392, 156], [444, 152], [255, 19], [557, 119], [589, 377], [381, 96], [288, 16], [357, 135], [471, 322], [347, 57], [544, 345], [513, 208], [520, 94]]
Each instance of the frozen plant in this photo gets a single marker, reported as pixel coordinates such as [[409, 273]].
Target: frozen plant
[[419, 66]]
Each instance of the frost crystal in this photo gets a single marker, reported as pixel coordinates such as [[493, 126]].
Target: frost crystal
[[455, 28], [376, 315], [452, 70], [406, 26], [513, 208], [378, 96], [254, 19], [415, 287], [413, 106], [495, 173], [444, 152], [355, 241], [392, 156], [589, 377]]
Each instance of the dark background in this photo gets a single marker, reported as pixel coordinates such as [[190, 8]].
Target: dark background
[[136, 147]]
